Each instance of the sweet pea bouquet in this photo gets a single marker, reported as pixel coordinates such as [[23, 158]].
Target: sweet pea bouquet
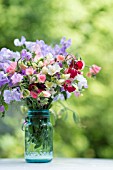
[[40, 74]]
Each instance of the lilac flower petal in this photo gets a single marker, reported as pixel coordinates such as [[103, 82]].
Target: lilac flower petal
[[26, 55], [16, 94], [23, 40], [16, 78], [62, 40], [12, 95], [7, 96], [3, 79], [2, 109]]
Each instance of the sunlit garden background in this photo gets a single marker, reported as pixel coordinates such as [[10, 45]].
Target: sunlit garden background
[[90, 26]]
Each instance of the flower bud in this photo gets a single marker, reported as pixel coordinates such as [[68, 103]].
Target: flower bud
[[25, 93]]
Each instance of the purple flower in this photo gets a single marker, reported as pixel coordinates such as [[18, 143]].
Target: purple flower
[[60, 64], [3, 79], [45, 49], [26, 55], [6, 56], [16, 94], [57, 49], [65, 43], [7, 96], [58, 75], [62, 49], [23, 72], [21, 42], [61, 96], [16, 78], [4, 66], [2, 109], [68, 94], [29, 45], [62, 89], [56, 98], [11, 95]]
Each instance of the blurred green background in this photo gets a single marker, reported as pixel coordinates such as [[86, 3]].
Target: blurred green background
[[90, 26]]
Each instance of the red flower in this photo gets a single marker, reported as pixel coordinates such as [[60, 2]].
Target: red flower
[[34, 90], [32, 86], [72, 72], [68, 87], [77, 65]]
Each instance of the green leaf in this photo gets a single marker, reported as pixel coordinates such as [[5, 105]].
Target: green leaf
[[75, 117], [6, 106], [48, 77], [2, 114], [64, 94], [52, 118], [66, 116]]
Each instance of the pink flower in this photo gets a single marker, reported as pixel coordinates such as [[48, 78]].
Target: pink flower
[[11, 68], [37, 56], [33, 94], [77, 93], [89, 74], [29, 71], [45, 63], [52, 62], [46, 93], [41, 78], [95, 69], [60, 58]]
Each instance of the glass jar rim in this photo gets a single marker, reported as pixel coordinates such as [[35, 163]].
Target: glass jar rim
[[43, 112]]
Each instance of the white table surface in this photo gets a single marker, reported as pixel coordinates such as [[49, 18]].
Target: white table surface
[[58, 164]]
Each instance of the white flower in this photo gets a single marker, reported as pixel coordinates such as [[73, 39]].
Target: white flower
[[49, 57], [82, 82], [52, 91], [40, 64], [44, 70], [21, 42], [52, 69], [49, 84], [65, 76], [60, 81]]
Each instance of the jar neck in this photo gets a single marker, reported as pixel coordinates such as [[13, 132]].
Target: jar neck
[[39, 113]]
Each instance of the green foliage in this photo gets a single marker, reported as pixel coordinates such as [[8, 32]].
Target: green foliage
[[89, 25]]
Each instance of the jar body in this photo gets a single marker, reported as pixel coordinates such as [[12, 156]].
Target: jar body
[[38, 137]]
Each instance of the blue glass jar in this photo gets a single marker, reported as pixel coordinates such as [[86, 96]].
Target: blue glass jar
[[38, 136]]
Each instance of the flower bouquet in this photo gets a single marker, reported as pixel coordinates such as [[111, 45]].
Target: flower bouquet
[[39, 75]]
